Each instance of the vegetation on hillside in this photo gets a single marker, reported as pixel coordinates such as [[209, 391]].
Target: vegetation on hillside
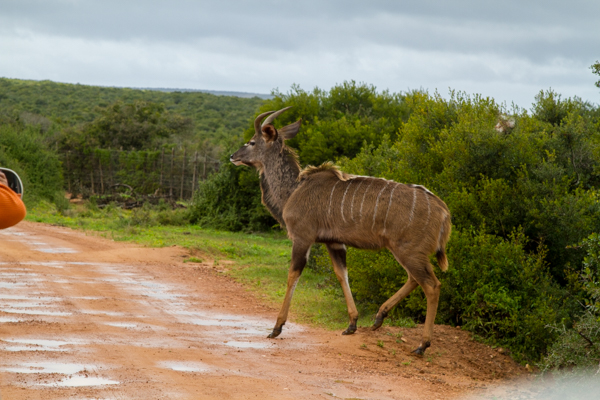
[[214, 119]]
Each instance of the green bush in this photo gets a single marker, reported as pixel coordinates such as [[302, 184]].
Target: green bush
[[579, 346], [24, 149], [494, 288], [230, 199]]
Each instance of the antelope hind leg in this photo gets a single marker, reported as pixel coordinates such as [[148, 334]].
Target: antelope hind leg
[[432, 292], [404, 291], [337, 253], [299, 258]]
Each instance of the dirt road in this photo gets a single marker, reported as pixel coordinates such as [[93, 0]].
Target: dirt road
[[87, 318]]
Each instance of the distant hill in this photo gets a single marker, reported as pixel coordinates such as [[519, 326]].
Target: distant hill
[[216, 92], [216, 115]]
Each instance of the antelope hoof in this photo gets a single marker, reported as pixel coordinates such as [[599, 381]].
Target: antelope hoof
[[419, 351], [378, 321], [276, 332], [350, 330]]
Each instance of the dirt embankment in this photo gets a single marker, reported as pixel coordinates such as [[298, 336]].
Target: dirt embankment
[[84, 317]]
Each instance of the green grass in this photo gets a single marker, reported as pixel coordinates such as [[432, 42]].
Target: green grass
[[259, 261]]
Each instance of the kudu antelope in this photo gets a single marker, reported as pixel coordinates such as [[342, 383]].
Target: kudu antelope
[[325, 205]]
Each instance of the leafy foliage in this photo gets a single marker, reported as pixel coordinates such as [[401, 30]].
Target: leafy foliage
[[579, 346], [215, 119], [134, 126], [596, 70], [24, 150], [230, 200]]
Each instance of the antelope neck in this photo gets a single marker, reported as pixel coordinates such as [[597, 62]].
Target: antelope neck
[[278, 180]]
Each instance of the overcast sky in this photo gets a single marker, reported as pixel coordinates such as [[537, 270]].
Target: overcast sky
[[508, 50]]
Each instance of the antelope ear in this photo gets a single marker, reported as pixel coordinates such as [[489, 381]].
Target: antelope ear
[[269, 133], [289, 131]]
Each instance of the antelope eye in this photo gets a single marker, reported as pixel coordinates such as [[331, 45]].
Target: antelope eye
[[252, 143]]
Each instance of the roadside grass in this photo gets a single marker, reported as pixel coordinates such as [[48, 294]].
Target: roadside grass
[[259, 261]]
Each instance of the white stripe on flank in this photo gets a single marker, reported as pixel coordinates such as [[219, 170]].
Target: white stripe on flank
[[352, 204], [388, 209], [331, 197], [344, 198], [377, 203], [412, 210], [363, 200]]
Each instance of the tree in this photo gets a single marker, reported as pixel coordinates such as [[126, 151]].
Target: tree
[[135, 126], [596, 70]]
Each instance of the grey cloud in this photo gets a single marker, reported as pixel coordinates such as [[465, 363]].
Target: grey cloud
[[534, 30], [255, 46]]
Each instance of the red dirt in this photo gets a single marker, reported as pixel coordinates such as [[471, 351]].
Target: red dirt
[[129, 322]]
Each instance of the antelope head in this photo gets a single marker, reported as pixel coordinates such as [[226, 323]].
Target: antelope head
[[266, 142]]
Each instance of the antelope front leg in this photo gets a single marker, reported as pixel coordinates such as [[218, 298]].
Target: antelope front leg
[[337, 253], [299, 257]]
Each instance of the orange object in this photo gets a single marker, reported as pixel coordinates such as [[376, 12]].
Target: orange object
[[12, 209]]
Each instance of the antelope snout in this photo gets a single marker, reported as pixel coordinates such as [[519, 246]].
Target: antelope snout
[[233, 160]]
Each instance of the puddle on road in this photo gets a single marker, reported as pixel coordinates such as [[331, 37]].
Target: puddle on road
[[121, 324], [64, 369], [5, 319], [247, 345], [52, 264], [48, 368], [21, 305], [81, 381], [185, 366], [36, 345], [100, 312], [212, 322], [32, 296], [37, 312], [55, 250], [11, 285], [35, 242]]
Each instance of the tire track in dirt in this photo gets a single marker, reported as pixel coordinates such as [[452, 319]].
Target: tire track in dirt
[[84, 317]]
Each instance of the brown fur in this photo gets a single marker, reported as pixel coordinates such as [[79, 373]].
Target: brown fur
[[326, 166], [325, 205]]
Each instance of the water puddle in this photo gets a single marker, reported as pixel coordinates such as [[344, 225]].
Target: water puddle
[[48, 368], [5, 319], [36, 244], [36, 345], [81, 381], [30, 297], [99, 312], [213, 322], [11, 285], [12, 232], [121, 324], [21, 305], [37, 312], [185, 366], [247, 345]]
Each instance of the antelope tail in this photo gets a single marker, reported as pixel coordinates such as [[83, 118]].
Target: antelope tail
[[443, 239]]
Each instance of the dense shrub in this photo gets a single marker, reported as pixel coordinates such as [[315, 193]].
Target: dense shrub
[[230, 199], [24, 149], [579, 346], [494, 288]]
